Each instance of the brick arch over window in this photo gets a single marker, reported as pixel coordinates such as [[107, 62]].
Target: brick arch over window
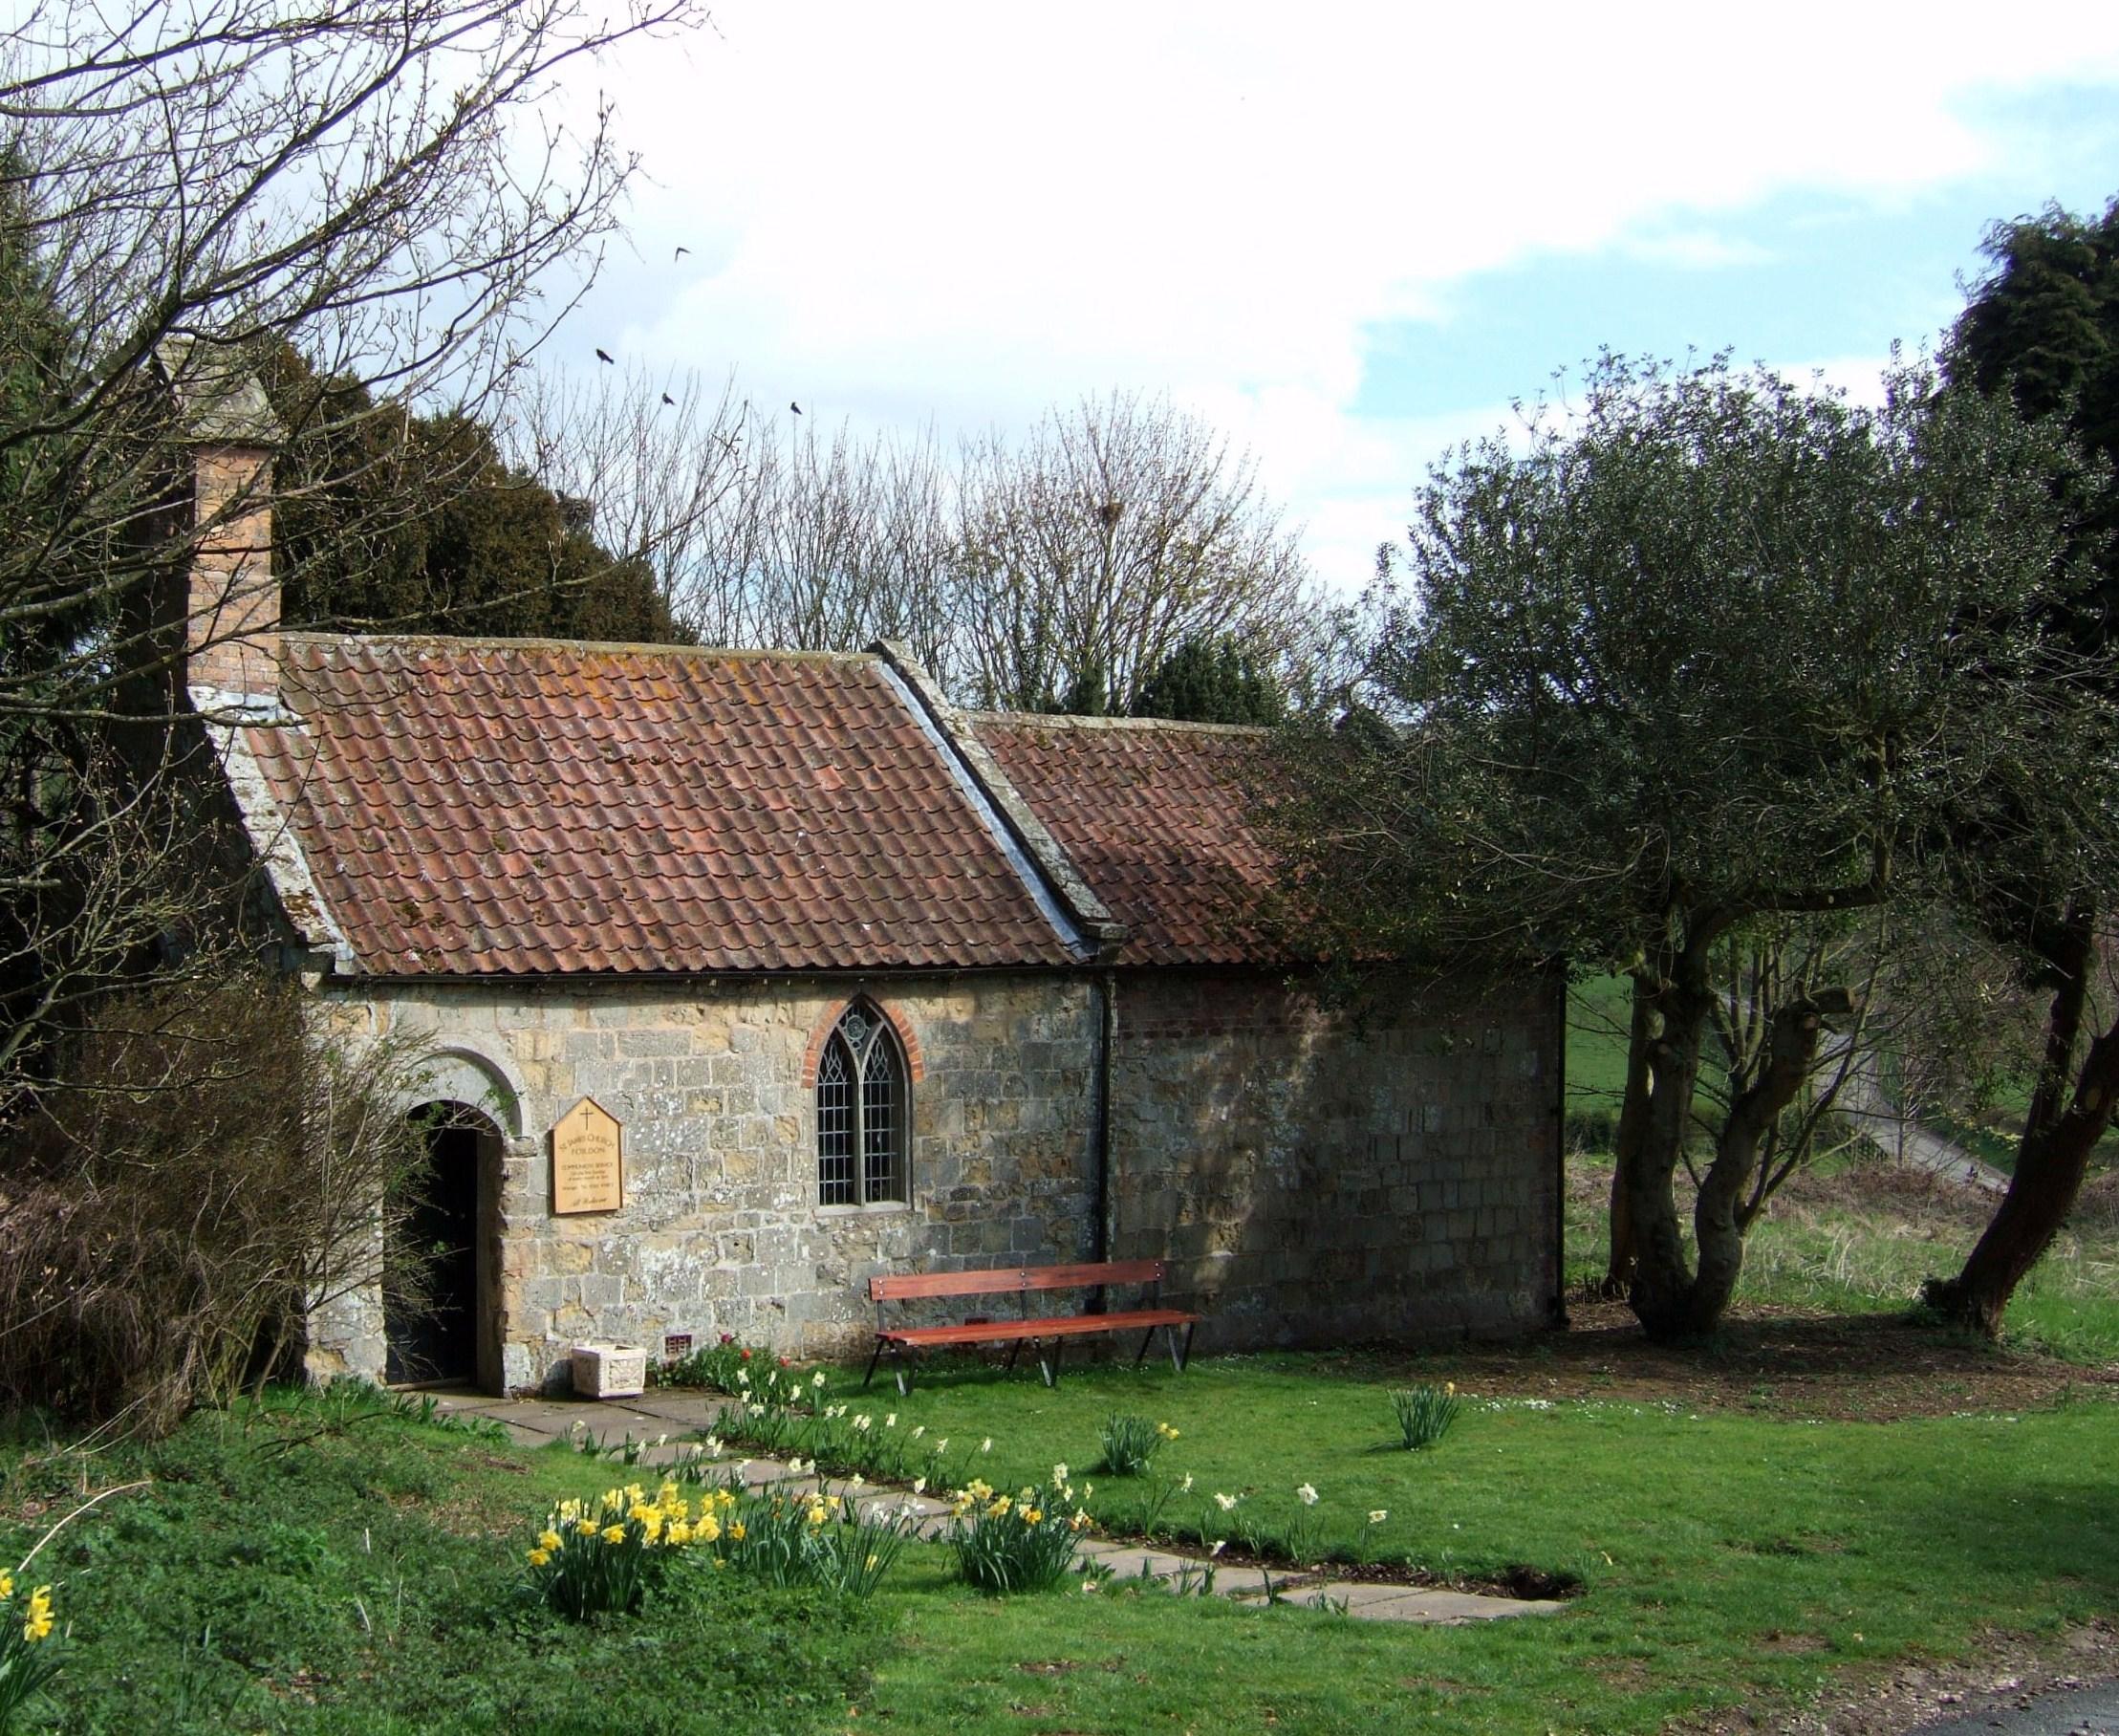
[[861, 1080], [908, 1041]]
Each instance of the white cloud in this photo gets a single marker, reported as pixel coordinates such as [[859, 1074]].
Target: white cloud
[[963, 213]]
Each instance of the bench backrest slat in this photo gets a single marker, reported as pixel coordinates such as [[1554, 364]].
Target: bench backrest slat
[[946, 1284], [1107, 1271], [1006, 1278]]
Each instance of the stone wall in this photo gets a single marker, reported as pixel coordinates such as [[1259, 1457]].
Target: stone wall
[[1311, 1179], [1327, 1178], [721, 1231]]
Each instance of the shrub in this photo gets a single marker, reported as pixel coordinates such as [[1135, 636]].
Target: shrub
[[728, 1366], [1024, 1542], [602, 1556], [1130, 1444], [168, 1230], [1425, 1412], [29, 1654]]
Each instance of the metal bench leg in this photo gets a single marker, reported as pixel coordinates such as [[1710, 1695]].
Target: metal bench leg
[[902, 1369], [1147, 1338], [872, 1362], [1179, 1356], [1047, 1362], [1015, 1350]]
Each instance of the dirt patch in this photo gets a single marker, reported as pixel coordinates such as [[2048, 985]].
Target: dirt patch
[[1866, 1367], [2004, 1670], [1783, 1361]]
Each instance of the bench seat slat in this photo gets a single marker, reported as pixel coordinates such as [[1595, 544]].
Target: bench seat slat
[[1002, 1332]]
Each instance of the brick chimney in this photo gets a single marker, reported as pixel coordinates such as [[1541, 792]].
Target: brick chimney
[[231, 611]]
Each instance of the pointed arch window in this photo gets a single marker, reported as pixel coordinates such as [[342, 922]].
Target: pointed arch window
[[862, 1110]]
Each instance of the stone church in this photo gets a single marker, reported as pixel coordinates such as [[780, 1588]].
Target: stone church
[[831, 977]]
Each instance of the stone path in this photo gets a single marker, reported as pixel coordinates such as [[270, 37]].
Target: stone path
[[1878, 1119], [668, 1423]]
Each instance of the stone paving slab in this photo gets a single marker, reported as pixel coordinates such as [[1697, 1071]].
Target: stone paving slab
[[679, 1409], [1413, 1603], [1128, 1561]]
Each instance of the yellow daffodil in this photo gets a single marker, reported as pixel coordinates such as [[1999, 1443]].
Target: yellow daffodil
[[538, 1557], [549, 1539], [679, 1534], [707, 1530], [6, 1585], [736, 1531], [587, 1527], [614, 1533], [37, 1624]]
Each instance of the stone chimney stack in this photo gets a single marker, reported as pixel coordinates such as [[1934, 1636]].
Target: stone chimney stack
[[231, 612]]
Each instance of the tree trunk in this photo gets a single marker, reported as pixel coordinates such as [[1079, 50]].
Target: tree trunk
[[1662, 1279], [2052, 1157], [1719, 1221], [1626, 1142]]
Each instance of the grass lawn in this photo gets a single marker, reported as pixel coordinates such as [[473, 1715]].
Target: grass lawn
[[1825, 1501], [288, 1571]]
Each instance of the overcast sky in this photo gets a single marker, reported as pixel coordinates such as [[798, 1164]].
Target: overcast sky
[[1347, 236]]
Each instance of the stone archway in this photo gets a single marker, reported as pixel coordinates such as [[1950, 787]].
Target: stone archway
[[439, 1303]]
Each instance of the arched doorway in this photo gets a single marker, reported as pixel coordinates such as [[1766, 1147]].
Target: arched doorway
[[437, 1308]]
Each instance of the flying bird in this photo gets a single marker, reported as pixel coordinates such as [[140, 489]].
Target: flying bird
[[679, 254], [606, 356], [795, 407]]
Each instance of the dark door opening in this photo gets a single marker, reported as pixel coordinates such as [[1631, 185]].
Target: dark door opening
[[430, 1309]]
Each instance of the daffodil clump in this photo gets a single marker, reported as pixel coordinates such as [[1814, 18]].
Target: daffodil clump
[[604, 1555], [28, 1651], [817, 1537], [1425, 1412], [1130, 1444], [1024, 1542]]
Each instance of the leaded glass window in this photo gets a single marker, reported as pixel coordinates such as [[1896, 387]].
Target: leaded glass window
[[862, 1113]]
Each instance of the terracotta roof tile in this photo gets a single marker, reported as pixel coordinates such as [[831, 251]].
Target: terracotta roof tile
[[474, 807], [1156, 818]]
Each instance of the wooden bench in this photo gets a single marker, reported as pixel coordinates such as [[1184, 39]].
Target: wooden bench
[[1050, 1332]]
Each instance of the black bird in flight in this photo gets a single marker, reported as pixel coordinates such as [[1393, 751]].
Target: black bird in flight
[[795, 407], [606, 356], [679, 254]]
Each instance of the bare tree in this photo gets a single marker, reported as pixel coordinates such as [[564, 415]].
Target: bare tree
[[1116, 532], [183, 189], [660, 468]]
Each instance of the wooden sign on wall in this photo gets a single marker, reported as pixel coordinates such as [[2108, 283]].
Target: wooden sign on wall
[[588, 1160]]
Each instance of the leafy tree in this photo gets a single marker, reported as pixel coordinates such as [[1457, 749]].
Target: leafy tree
[[415, 524], [2042, 332], [1715, 654], [1213, 681]]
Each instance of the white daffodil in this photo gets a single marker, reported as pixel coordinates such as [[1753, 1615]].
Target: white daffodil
[[1226, 1502], [1378, 1514], [1306, 1495]]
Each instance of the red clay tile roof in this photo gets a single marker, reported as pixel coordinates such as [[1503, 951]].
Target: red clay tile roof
[[1154, 817], [524, 808]]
